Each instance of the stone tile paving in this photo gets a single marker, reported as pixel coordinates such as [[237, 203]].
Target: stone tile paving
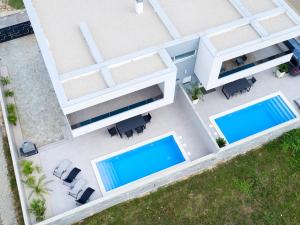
[[7, 212], [41, 118]]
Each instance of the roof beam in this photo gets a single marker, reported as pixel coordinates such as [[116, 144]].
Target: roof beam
[[96, 53], [165, 19], [243, 10]]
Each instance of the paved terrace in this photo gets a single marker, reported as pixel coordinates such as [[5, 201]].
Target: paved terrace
[[88, 147], [266, 84]]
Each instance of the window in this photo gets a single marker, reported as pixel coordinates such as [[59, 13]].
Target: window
[[184, 56]]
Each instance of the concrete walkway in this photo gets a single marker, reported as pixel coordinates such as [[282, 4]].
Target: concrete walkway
[[7, 212]]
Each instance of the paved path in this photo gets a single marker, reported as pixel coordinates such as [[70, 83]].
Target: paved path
[[7, 212]]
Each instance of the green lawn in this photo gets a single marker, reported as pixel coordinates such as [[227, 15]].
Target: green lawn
[[261, 187], [17, 4]]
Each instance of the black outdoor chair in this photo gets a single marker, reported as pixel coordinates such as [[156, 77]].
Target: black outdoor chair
[[147, 118], [28, 149], [139, 130], [112, 131], [85, 196], [252, 81], [129, 133], [68, 181]]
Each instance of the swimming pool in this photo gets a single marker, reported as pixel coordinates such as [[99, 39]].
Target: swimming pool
[[254, 118], [137, 162]]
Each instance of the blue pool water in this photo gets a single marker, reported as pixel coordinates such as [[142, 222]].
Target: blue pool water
[[254, 119], [140, 162]]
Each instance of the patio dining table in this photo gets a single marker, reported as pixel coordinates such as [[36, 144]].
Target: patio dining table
[[234, 87], [130, 124]]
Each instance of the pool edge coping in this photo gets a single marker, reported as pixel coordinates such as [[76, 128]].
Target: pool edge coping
[[132, 185], [247, 104]]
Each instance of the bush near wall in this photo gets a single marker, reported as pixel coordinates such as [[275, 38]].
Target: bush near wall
[[12, 181], [17, 4]]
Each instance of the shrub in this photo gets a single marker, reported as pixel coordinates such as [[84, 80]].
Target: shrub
[[12, 115], [9, 93], [5, 81], [11, 108], [12, 119], [221, 142], [38, 208], [283, 68], [27, 168]]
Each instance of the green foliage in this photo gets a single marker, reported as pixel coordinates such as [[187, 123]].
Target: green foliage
[[27, 167], [12, 182], [17, 4], [5, 80], [39, 188], [196, 92], [221, 142], [38, 209], [243, 186], [283, 68], [290, 142], [9, 93], [12, 114], [30, 181]]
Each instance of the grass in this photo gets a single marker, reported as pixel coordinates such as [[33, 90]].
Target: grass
[[261, 187], [17, 4], [12, 182]]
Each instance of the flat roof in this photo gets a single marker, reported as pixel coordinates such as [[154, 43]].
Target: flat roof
[[254, 7], [77, 37], [193, 16], [121, 73], [234, 37], [114, 25], [277, 23]]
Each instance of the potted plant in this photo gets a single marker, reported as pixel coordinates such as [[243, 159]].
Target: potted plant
[[196, 93], [221, 142], [282, 70]]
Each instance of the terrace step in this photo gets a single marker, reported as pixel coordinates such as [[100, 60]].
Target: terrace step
[[278, 109], [110, 177]]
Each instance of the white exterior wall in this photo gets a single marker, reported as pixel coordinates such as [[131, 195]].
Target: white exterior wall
[[169, 80], [207, 66]]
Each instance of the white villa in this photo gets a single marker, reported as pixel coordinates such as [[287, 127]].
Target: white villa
[[112, 60]]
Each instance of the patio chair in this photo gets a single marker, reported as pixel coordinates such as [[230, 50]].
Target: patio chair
[[61, 168], [28, 149], [77, 187], [129, 133], [112, 131], [69, 180], [85, 196], [139, 130], [252, 81], [147, 118]]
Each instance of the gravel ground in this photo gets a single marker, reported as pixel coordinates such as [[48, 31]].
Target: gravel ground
[[7, 212], [41, 118], [295, 4]]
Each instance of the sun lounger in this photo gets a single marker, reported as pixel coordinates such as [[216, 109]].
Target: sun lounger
[[61, 168], [77, 187], [69, 180], [85, 196]]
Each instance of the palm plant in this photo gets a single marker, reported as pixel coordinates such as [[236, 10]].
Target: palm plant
[[39, 188], [9, 93]]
